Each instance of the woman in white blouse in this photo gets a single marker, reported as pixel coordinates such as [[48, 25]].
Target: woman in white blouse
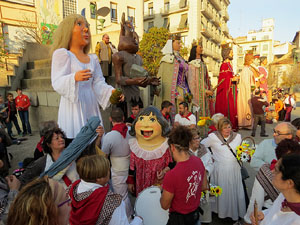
[[227, 172], [77, 76], [286, 208]]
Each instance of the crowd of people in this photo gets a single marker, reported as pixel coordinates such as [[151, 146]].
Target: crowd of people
[[79, 174]]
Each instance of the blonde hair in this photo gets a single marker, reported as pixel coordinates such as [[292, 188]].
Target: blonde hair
[[63, 35], [92, 167], [216, 117], [223, 122], [34, 205]]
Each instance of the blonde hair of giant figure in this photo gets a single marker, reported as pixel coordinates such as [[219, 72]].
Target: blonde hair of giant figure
[[63, 35]]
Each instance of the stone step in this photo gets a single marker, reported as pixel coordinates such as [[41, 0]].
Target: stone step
[[38, 64], [37, 84], [38, 73]]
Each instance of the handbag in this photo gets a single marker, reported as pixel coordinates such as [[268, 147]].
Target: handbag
[[244, 171]]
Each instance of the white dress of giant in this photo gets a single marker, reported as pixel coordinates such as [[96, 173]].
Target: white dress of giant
[[79, 100], [226, 174]]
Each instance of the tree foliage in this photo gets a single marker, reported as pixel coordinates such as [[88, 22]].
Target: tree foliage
[[3, 50], [292, 78], [150, 48]]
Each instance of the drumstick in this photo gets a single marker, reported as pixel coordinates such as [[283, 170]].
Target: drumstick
[[255, 212]]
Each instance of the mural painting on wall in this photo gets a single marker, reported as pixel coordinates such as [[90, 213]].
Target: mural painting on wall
[[47, 33], [50, 12]]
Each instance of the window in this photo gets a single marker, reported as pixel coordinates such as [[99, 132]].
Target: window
[[266, 37], [166, 23], [131, 14], [69, 7], [150, 25], [265, 47], [113, 12], [93, 8], [182, 3], [166, 6], [254, 48], [183, 21], [253, 38], [240, 50], [150, 8]]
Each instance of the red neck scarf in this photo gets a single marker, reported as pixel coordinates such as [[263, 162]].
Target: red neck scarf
[[187, 117], [39, 145], [295, 207], [167, 116], [87, 211], [122, 128], [273, 163], [132, 116]]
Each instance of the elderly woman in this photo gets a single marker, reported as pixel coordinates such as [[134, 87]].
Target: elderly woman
[[53, 145], [226, 171], [286, 208]]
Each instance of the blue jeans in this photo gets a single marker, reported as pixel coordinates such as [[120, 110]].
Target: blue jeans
[[9, 125], [24, 116]]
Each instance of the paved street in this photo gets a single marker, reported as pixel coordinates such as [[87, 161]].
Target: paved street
[[26, 149]]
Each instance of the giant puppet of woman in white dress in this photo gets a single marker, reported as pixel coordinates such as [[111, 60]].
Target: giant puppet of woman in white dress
[[77, 76]]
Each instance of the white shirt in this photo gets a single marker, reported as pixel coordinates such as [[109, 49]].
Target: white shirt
[[79, 100], [293, 103], [184, 121], [274, 215]]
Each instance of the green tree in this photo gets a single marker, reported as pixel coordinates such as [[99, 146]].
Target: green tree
[[3, 50], [150, 48], [292, 78]]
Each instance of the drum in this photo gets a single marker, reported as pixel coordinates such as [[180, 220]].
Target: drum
[[147, 205]]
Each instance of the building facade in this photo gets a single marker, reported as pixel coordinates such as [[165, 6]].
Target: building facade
[[193, 19], [261, 42]]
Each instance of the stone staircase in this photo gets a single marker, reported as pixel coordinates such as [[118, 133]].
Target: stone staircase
[[36, 83]]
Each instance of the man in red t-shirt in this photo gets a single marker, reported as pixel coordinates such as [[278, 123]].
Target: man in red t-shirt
[[22, 104], [183, 184]]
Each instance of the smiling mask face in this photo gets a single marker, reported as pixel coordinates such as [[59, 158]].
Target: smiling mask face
[[147, 128]]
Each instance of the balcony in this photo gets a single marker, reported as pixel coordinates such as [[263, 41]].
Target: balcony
[[216, 38], [206, 10], [225, 15], [207, 52], [225, 29], [176, 29], [217, 56], [174, 8], [216, 21], [216, 4], [148, 16], [206, 32]]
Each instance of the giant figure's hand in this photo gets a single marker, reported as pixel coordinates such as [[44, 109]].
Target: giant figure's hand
[[83, 75]]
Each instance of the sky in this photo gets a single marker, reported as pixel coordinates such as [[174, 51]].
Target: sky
[[247, 15]]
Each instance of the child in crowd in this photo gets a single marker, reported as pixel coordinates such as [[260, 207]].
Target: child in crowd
[[91, 200], [3, 112], [12, 112], [136, 107]]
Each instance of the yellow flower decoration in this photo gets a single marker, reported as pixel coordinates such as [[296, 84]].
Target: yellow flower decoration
[[201, 123], [212, 191], [238, 156], [239, 148], [218, 191]]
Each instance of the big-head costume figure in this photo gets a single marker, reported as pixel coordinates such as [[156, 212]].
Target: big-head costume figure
[[150, 155], [129, 72]]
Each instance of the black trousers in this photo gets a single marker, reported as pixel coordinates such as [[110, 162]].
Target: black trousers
[[176, 218], [259, 118]]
